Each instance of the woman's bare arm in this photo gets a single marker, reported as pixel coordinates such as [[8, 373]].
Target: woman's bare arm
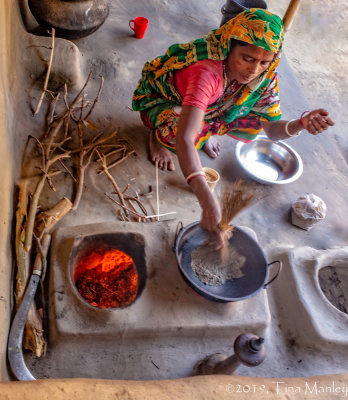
[[190, 123], [314, 122]]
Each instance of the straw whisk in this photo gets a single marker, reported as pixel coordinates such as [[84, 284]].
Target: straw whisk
[[234, 198]]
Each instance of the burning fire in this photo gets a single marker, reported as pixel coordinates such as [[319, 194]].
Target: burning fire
[[107, 279]]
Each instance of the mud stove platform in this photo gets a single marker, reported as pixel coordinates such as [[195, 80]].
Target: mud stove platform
[[162, 334]]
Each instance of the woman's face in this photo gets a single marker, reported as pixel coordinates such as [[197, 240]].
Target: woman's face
[[245, 63]]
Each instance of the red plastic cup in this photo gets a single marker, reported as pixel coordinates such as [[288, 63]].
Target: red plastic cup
[[139, 26]]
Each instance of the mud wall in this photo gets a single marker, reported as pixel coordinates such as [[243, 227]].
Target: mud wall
[[11, 72]]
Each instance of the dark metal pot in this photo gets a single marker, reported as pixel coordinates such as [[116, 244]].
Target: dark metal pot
[[234, 7], [255, 269], [72, 19]]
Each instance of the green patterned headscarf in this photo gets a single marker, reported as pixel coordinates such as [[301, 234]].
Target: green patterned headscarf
[[255, 26]]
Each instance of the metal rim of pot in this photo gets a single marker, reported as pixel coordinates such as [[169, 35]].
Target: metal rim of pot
[[212, 293]]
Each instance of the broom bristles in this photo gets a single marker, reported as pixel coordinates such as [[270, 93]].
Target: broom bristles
[[234, 199]]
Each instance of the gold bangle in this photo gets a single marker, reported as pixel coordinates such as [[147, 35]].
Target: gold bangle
[[287, 130]]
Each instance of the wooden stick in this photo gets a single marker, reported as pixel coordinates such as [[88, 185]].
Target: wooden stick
[[32, 213], [290, 14], [117, 162], [112, 180], [22, 257], [44, 90], [68, 171], [114, 151], [125, 208], [133, 208], [50, 117], [96, 98], [140, 204], [46, 220], [160, 215], [157, 194]]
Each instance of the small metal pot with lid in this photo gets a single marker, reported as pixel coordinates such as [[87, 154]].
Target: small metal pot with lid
[[255, 269], [234, 7]]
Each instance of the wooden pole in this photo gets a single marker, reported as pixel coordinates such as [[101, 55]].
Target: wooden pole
[[290, 14]]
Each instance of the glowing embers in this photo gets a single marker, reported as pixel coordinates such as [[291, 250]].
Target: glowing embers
[[107, 278]]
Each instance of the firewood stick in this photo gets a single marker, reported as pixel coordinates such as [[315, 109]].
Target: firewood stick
[[95, 143], [160, 215], [77, 97], [67, 170], [80, 182], [22, 257], [50, 117], [32, 213], [96, 98], [133, 208], [141, 206], [46, 220], [125, 208], [118, 161], [113, 182], [114, 152], [44, 90]]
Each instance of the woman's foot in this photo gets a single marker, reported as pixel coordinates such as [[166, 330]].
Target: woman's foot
[[212, 147], [161, 155]]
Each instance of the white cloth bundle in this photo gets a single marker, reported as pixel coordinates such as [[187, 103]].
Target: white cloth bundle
[[307, 210]]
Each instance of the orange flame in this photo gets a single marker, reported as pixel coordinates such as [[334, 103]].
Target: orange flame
[[107, 279]]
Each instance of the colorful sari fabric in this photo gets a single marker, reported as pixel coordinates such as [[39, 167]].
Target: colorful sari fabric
[[157, 97]]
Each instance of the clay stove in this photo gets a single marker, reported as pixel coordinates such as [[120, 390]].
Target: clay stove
[[162, 334]]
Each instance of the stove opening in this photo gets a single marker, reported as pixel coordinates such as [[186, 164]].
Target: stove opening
[[107, 279], [108, 271]]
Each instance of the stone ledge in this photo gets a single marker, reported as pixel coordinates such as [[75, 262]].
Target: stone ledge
[[219, 387]]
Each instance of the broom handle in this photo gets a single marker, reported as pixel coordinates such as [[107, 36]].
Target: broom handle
[[290, 14]]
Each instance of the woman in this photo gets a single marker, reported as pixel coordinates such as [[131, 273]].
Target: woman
[[224, 83]]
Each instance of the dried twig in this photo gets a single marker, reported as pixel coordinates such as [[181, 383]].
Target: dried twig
[[50, 116], [125, 208], [32, 213], [68, 171], [140, 204], [44, 90], [160, 215], [118, 161], [96, 99], [112, 180], [149, 193]]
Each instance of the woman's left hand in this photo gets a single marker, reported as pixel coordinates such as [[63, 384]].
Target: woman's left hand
[[317, 121]]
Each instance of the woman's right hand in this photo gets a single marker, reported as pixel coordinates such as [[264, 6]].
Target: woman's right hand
[[211, 216]]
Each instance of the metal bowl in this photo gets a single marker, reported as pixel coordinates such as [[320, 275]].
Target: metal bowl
[[269, 162]]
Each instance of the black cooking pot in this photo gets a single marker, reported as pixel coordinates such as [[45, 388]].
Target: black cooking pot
[[255, 269]]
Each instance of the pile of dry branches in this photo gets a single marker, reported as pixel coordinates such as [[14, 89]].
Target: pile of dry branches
[[68, 146]]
